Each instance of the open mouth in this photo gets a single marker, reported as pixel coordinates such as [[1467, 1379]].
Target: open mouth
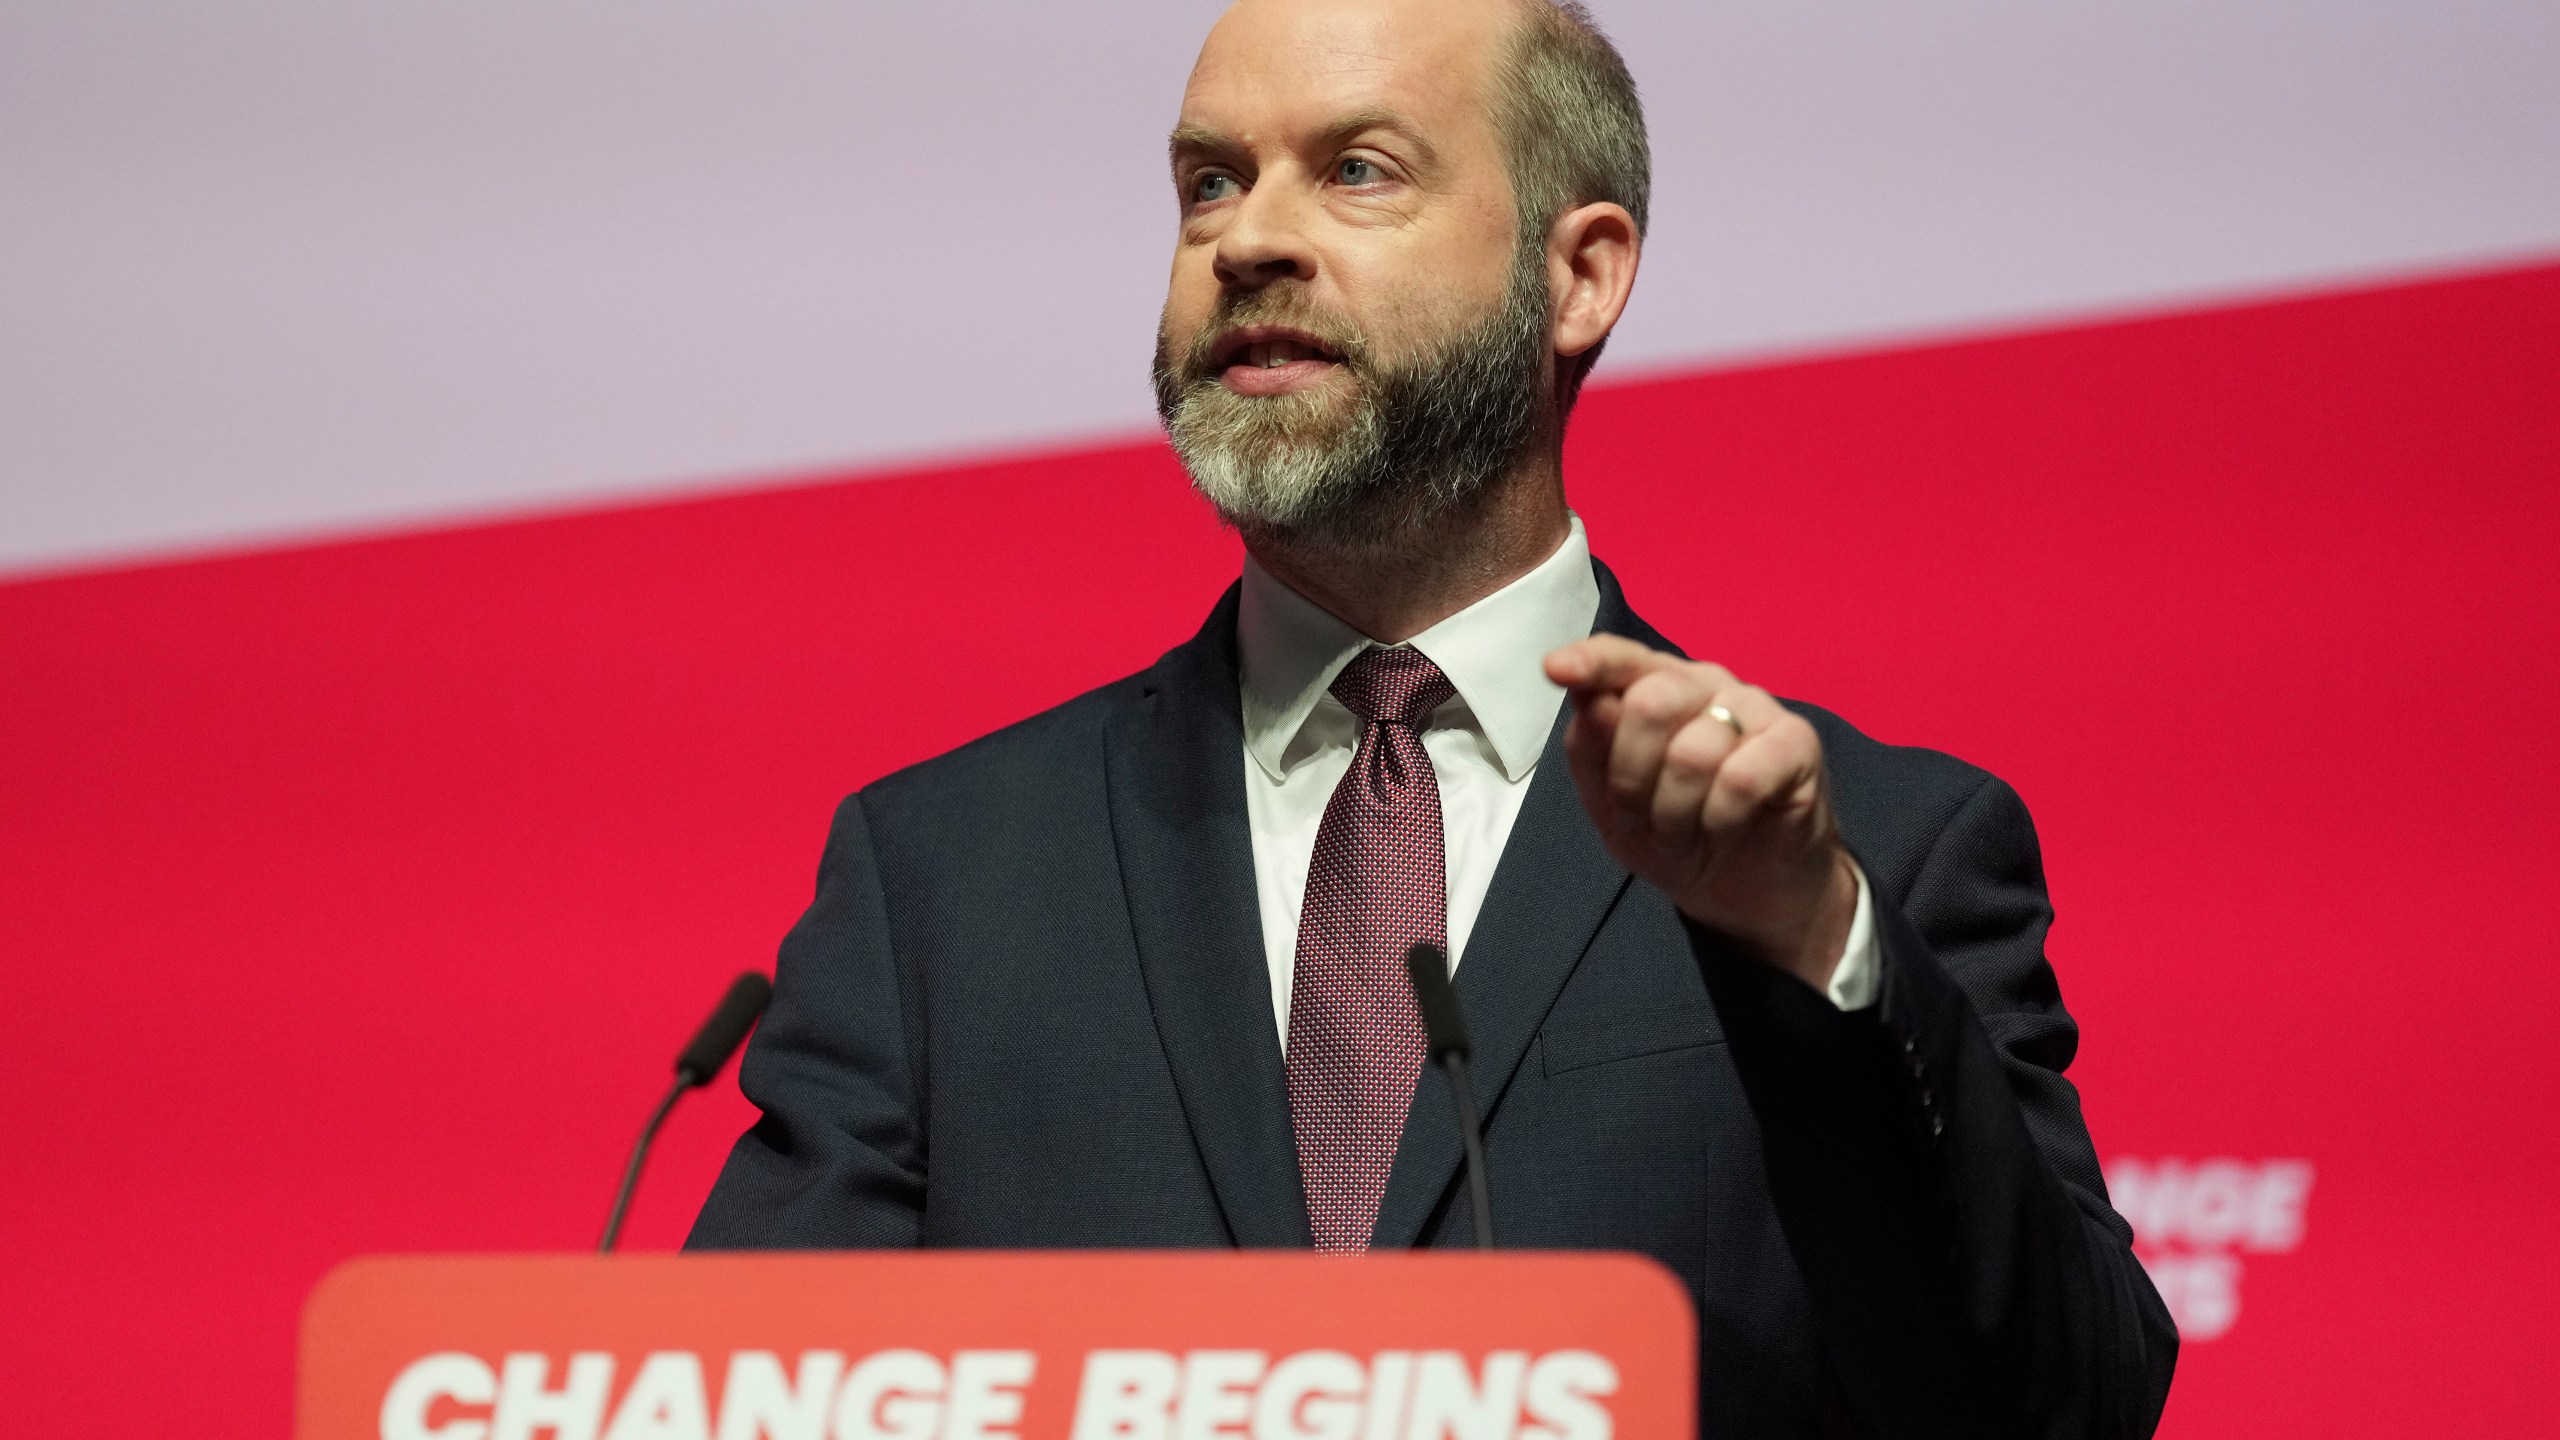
[[1271, 359]]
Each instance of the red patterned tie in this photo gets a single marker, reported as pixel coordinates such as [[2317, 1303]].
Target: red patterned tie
[[1378, 883]]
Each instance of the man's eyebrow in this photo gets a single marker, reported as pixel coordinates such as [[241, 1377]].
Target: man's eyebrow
[[1380, 118], [1190, 139]]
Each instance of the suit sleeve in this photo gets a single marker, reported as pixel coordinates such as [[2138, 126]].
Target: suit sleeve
[[837, 1159], [1932, 1173]]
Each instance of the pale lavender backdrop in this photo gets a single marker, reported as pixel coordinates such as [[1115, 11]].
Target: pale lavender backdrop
[[284, 269]]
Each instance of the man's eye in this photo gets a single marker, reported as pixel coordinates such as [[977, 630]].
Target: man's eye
[[1352, 170], [1213, 187]]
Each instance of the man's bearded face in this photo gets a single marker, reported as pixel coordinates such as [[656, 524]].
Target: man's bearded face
[[1379, 448]]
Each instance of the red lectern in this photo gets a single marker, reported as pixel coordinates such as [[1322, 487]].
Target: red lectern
[[988, 1346]]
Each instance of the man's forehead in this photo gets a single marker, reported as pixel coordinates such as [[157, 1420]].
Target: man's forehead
[[1300, 62]]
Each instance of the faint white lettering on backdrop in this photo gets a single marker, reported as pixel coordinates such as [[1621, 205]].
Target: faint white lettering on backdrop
[[2194, 1220]]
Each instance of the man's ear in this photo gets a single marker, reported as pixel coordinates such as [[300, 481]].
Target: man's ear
[[1591, 269]]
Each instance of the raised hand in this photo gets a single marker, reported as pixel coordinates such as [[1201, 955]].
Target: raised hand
[[1715, 793]]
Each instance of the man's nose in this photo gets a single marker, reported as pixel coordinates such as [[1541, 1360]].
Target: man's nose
[[1268, 238]]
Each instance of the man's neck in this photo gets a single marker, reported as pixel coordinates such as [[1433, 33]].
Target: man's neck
[[1392, 596]]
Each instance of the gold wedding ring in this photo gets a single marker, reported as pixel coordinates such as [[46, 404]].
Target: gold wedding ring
[[1725, 717]]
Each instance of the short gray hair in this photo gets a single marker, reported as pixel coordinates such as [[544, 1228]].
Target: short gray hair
[[1572, 127]]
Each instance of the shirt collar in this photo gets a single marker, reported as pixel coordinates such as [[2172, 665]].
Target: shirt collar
[[1292, 648]]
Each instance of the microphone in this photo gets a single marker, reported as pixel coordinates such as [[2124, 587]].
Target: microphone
[[1444, 1037], [710, 1049]]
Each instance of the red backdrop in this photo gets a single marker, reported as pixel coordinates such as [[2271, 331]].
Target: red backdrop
[[355, 898]]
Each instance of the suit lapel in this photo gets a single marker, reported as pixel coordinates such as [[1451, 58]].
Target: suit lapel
[[1174, 768], [1551, 891]]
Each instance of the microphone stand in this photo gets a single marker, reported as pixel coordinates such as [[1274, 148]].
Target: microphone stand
[[640, 1157], [1471, 1140], [711, 1047], [1444, 1034]]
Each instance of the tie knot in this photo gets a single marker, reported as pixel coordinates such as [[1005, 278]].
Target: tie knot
[[1392, 687]]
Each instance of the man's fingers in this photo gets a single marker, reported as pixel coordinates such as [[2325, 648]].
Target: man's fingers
[[1631, 705], [1707, 787], [1652, 710], [1689, 768], [1704, 747], [1754, 709], [1606, 662], [1654, 756], [1579, 665], [1780, 754]]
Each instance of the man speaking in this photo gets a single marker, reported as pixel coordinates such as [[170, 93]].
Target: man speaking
[[1751, 993]]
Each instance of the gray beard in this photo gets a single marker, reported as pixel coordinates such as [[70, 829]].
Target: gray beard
[[1415, 447]]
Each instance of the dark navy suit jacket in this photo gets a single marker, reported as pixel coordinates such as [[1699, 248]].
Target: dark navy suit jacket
[[1030, 1007]]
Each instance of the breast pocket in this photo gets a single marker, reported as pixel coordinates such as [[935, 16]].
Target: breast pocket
[[1582, 1041]]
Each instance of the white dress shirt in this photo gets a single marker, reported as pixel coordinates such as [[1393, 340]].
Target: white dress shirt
[[1485, 742]]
